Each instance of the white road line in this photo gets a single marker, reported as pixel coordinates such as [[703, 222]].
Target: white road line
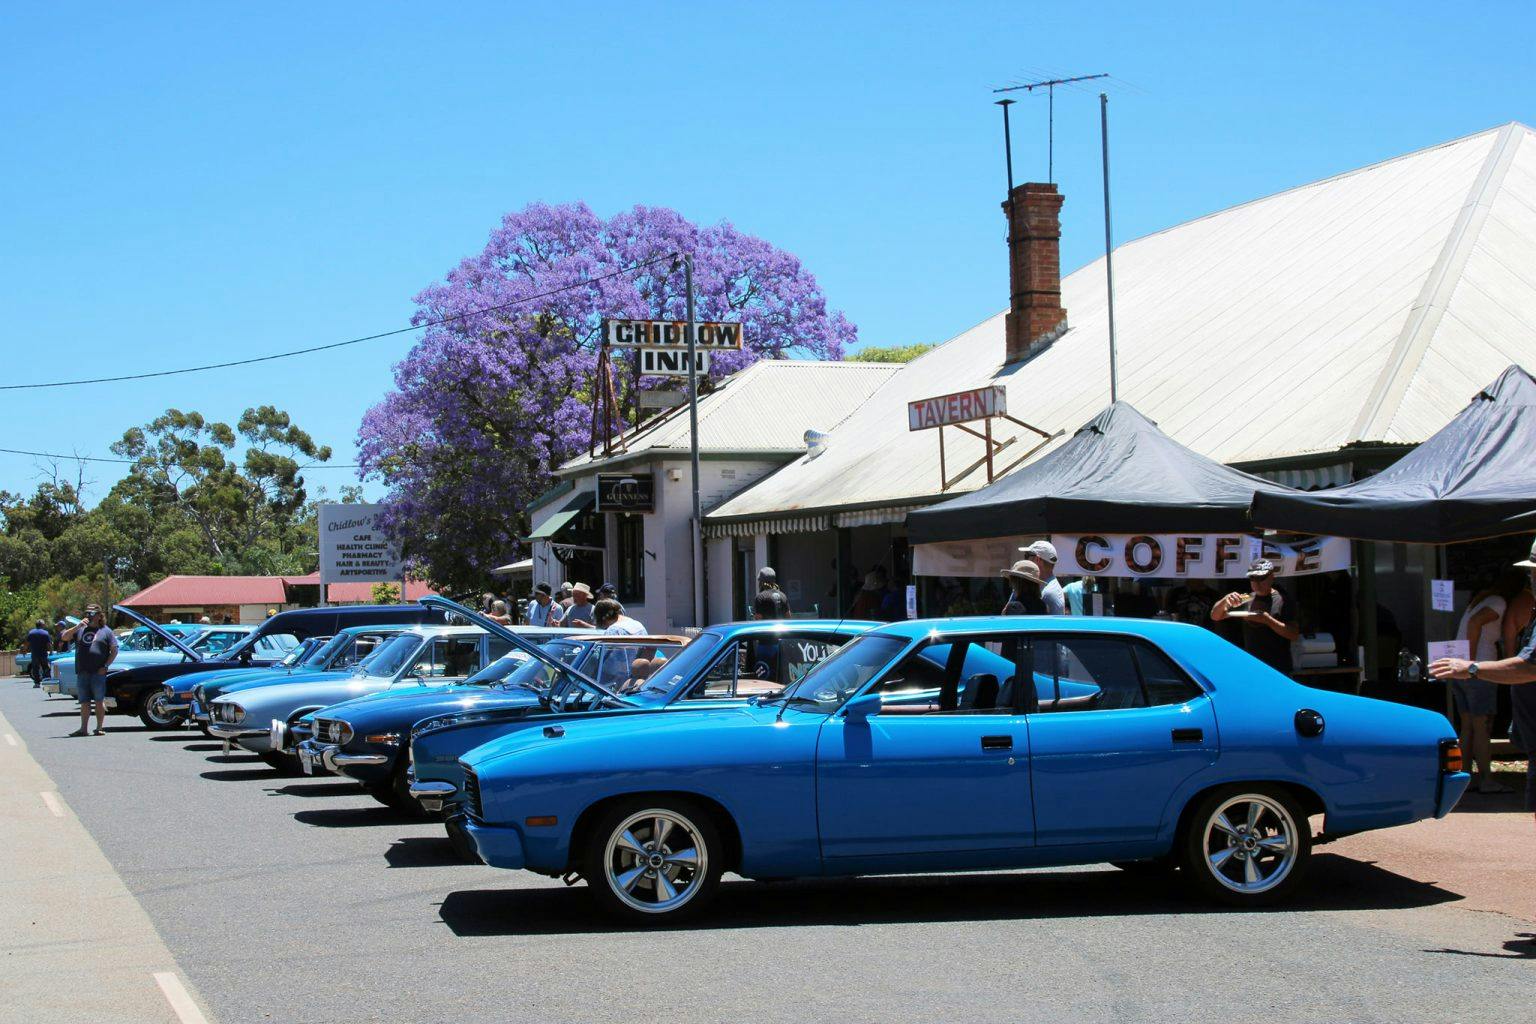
[[54, 805], [177, 995], [10, 739]]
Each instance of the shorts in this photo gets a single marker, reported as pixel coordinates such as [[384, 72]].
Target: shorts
[[1475, 696], [91, 687]]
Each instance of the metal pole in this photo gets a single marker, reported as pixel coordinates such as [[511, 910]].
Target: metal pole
[[1109, 249], [693, 444]]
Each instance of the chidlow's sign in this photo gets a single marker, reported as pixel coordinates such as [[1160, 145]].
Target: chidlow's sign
[[1137, 555], [626, 492], [667, 333], [960, 407], [353, 550]]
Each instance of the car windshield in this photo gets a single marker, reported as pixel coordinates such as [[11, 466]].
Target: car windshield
[[845, 673], [390, 657], [690, 661], [519, 670]]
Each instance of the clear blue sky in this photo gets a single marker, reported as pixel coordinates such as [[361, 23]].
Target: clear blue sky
[[186, 183]]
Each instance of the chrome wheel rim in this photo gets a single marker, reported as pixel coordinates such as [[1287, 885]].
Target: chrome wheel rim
[[1250, 843], [156, 710], [655, 861]]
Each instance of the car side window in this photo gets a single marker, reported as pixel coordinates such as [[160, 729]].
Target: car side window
[[1097, 673], [957, 676], [449, 658]]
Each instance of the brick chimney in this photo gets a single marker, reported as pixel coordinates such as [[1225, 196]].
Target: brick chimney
[[1035, 316]]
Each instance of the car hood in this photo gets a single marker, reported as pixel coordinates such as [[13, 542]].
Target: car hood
[[402, 708], [287, 696], [615, 725], [226, 683]]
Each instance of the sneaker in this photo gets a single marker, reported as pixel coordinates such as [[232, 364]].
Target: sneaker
[[79, 732], [99, 732]]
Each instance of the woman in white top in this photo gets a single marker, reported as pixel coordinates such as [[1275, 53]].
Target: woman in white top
[[1476, 699]]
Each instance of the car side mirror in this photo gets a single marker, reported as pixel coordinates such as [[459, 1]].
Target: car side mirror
[[862, 708]]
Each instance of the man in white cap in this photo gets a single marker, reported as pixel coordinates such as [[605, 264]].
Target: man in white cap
[[1514, 671], [1043, 554], [1268, 625]]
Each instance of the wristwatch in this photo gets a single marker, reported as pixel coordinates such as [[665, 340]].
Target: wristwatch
[[1471, 670]]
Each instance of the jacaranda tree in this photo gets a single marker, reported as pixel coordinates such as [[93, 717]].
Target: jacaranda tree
[[487, 404]]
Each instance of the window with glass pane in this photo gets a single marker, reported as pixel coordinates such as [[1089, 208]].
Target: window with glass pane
[[960, 676], [631, 558], [1106, 674]]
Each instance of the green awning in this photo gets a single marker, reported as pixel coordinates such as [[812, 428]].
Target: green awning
[[578, 504]]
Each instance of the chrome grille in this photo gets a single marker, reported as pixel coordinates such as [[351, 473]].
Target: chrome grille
[[328, 730], [471, 793]]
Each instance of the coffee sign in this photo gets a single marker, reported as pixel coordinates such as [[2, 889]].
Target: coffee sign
[[626, 492]]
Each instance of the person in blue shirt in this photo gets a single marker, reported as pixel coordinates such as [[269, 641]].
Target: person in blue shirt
[[39, 643]]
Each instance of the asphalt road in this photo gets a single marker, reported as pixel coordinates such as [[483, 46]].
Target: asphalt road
[[301, 900]]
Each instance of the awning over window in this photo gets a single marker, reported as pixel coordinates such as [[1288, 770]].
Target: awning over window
[[575, 506]]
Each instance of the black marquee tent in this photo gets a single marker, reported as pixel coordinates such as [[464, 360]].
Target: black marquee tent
[[1118, 474], [1474, 479]]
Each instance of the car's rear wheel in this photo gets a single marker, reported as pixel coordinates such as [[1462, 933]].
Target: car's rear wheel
[[154, 713], [1246, 845], [653, 859]]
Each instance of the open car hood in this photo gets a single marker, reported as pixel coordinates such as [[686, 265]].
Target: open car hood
[[154, 627]]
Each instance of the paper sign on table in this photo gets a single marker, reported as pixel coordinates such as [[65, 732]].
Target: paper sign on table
[[1442, 595]]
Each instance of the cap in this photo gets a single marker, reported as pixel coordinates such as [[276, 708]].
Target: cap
[[1261, 567], [1024, 569], [1043, 550], [1529, 563]]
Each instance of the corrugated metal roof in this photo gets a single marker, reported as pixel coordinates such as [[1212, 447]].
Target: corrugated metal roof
[[1366, 307], [767, 407]]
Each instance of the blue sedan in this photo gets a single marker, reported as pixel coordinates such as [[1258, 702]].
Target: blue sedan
[[966, 744]]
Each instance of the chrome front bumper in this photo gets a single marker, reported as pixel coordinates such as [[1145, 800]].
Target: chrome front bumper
[[314, 755], [432, 795]]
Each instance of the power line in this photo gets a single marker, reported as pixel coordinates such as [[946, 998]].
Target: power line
[[130, 462], [339, 344]]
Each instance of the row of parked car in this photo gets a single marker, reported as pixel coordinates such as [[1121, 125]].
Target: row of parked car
[[650, 765]]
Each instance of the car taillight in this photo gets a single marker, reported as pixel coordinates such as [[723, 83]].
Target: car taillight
[[1450, 756]]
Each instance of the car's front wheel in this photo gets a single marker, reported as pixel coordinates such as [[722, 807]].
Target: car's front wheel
[[154, 713], [653, 859], [1246, 845]]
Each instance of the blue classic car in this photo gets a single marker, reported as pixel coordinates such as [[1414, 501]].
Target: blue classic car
[[368, 738], [961, 744], [337, 655], [724, 666]]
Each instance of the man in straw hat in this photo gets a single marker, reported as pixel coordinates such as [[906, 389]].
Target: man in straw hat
[[1511, 671], [1268, 628], [1025, 582]]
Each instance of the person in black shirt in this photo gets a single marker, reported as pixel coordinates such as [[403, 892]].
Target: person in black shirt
[[1269, 621], [768, 587]]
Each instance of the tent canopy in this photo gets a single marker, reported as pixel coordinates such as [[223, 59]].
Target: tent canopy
[[1118, 474], [1475, 478]]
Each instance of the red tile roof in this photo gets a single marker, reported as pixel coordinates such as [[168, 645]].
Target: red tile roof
[[203, 591]]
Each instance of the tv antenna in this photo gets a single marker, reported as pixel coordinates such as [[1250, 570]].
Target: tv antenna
[[1049, 85]]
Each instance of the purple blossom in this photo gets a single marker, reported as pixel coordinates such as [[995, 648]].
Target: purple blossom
[[486, 405]]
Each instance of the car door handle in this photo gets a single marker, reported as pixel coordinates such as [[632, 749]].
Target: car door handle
[[1188, 735], [997, 743]]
